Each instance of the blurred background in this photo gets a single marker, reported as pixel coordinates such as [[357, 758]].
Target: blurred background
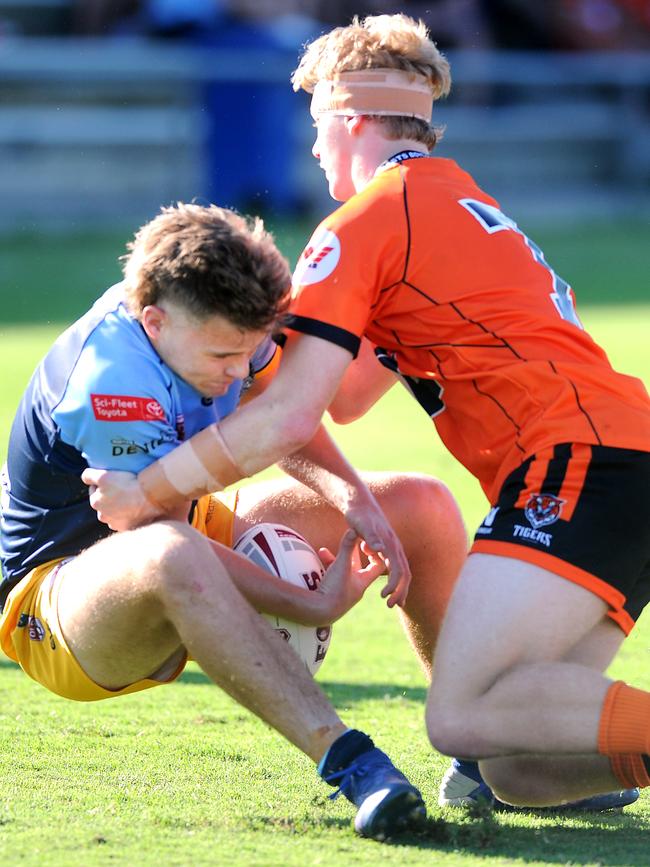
[[111, 108]]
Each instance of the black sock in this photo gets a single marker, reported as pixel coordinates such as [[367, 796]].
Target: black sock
[[343, 751]]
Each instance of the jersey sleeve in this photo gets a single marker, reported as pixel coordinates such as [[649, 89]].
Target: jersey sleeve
[[118, 413], [356, 253]]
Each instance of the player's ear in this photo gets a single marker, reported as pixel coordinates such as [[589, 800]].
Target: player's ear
[[152, 319], [354, 124]]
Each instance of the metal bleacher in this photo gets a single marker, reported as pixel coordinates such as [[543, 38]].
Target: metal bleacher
[[98, 130], [559, 136]]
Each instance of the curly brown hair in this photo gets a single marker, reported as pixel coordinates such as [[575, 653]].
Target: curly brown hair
[[211, 261], [379, 42]]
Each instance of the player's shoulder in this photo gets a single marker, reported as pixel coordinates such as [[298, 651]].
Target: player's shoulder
[[437, 181], [108, 353], [117, 341], [384, 203], [99, 325]]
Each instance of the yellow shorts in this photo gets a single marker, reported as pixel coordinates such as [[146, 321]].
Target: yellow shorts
[[31, 635]]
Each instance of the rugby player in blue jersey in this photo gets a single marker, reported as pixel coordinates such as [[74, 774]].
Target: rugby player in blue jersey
[[92, 614]]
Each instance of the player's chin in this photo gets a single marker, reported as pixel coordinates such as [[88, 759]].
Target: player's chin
[[341, 189], [335, 188], [215, 389], [337, 194]]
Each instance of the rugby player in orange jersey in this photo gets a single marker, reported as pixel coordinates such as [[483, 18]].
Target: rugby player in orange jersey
[[423, 267]]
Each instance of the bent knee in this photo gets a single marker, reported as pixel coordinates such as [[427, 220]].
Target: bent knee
[[419, 488], [165, 552], [162, 538], [450, 731], [416, 499]]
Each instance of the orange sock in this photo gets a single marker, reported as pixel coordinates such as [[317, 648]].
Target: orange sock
[[630, 770], [625, 721]]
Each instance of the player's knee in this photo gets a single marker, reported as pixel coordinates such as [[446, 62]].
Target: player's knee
[[418, 500], [437, 519], [428, 521], [434, 511], [446, 733], [166, 555], [427, 493]]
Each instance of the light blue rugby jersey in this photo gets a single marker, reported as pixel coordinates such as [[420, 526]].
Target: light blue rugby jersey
[[101, 397]]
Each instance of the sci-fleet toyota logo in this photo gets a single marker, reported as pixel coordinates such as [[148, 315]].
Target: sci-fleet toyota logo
[[123, 407]]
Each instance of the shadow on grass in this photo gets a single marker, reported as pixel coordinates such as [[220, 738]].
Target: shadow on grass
[[346, 694], [340, 694], [615, 839]]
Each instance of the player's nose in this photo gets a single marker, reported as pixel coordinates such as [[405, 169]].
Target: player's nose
[[238, 368]]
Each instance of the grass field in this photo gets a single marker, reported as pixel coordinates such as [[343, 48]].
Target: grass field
[[181, 775]]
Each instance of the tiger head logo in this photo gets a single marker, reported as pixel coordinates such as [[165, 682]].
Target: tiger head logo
[[543, 509]]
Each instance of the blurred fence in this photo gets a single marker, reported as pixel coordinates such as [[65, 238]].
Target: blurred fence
[[98, 131]]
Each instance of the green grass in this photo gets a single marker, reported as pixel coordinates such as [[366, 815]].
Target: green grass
[[181, 775]]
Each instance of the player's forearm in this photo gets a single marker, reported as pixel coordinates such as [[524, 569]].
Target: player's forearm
[[199, 466], [272, 595], [253, 438], [322, 467]]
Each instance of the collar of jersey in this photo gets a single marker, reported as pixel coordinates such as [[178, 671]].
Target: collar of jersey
[[398, 158]]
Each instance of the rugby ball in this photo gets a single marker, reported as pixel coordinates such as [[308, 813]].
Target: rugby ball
[[285, 553]]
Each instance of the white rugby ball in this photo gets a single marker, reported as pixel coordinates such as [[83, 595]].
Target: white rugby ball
[[285, 553]]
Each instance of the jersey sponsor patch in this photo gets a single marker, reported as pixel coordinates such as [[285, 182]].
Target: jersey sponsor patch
[[33, 626], [319, 258], [121, 446], [123, 407]]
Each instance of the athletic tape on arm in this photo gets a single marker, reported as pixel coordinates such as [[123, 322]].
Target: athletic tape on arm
[[199, 466]]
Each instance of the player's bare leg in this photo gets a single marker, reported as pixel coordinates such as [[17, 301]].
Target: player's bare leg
[[170, 594], [541, 781], [136, 602], [527, 694], [422, 512]]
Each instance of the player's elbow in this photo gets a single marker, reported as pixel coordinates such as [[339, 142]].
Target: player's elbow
[[298, 428], [344, 414], [345, 411]]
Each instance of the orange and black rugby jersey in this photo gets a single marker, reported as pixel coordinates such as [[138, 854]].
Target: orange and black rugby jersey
[[461, 303]]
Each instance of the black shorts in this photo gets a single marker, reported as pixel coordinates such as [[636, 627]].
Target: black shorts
[[582, 512]]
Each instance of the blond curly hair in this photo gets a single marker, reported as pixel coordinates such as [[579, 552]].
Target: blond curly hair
[[379, 42]]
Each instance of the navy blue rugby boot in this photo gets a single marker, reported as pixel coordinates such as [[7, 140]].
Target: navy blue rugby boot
[[463, 785], [387, 803]]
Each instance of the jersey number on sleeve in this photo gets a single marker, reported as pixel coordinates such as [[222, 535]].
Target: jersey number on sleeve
[[493, 220]]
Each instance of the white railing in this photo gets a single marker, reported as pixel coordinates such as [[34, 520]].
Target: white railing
[[108, 129]]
